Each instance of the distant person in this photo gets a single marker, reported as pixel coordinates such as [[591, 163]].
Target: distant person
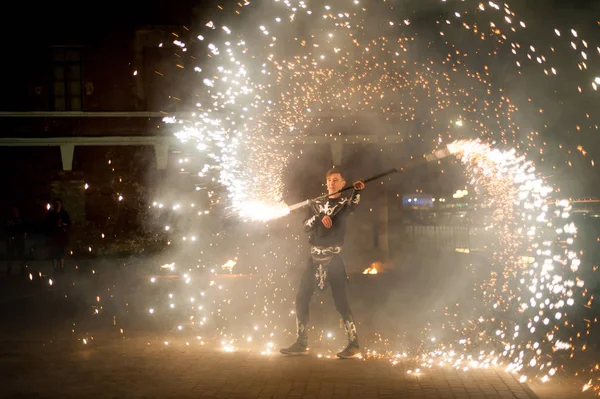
[[58, 223], [15, 241], [326, 226]]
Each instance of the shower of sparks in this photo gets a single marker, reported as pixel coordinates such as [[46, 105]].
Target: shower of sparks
[[533, 283], [322, 68], [302, 71]]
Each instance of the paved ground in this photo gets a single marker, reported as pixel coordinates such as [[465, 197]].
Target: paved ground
[[134, 369], [39, 364]]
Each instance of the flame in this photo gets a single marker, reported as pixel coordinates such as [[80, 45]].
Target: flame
[[371, 269]]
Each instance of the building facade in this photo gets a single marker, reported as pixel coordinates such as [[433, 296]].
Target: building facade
[[81, 120]]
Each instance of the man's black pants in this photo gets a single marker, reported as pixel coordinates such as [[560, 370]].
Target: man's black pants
[[336, 278]]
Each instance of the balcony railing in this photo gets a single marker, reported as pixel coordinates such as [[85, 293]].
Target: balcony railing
[[418, 237], [68, 124]]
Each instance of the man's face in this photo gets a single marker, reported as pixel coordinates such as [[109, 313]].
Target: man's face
[[335, 183], [57, 205]]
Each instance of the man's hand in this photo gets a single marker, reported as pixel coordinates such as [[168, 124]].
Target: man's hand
[[359, 185], [327, 222]]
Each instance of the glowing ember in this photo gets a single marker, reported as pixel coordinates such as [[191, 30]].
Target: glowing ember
[[228, 266], [169, 266]]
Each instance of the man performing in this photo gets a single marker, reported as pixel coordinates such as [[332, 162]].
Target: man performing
[[327, 226]]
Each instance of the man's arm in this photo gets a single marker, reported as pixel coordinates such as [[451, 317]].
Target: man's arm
[[355, 197], [312, 222]]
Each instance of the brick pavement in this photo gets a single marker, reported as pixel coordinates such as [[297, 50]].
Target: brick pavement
[[133, 369]]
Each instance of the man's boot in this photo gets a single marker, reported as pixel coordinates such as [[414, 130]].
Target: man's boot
[[352, 350], [300, 347]]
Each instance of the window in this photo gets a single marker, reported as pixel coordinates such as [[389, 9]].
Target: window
[[67, 79]]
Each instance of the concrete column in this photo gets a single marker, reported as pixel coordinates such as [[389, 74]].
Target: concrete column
[[66, 154], [337, 150], [388, 157], [161, 152]]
